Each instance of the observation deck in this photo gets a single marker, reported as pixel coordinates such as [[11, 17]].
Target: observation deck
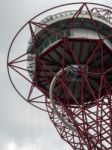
[[64, 41]]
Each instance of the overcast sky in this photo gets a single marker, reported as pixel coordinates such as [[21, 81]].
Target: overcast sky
[[23, 127]]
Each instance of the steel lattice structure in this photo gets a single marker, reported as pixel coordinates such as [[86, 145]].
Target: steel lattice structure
[[67, 71]]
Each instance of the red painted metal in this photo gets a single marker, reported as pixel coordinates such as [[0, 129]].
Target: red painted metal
[[91, 120]]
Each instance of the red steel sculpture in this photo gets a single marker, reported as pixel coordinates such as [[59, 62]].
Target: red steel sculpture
[[67, 71]]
